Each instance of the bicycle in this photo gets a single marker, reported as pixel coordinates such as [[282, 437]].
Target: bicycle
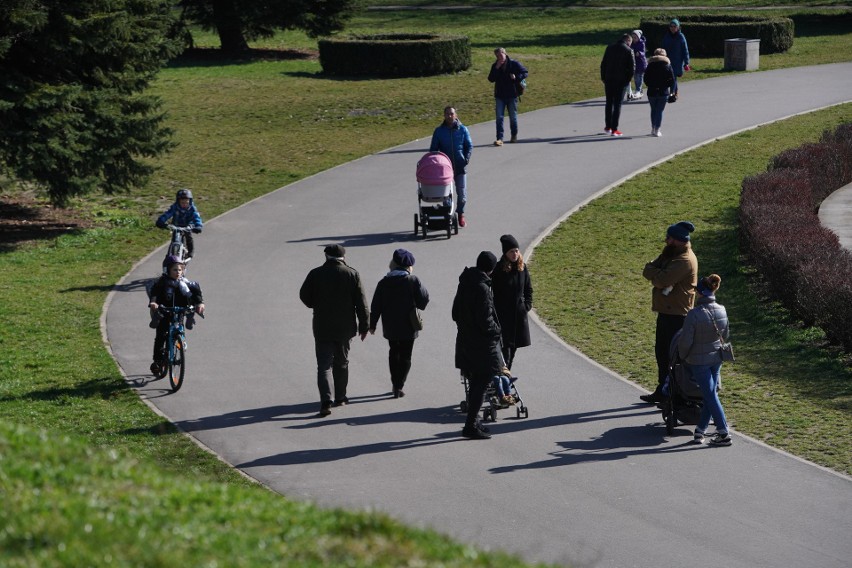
[[174, 364], [177, 245]]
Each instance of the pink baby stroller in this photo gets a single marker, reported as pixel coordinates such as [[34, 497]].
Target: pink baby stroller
[[436, 195]]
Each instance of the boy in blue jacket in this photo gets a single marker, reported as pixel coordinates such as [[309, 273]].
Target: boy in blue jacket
[[183, 213]]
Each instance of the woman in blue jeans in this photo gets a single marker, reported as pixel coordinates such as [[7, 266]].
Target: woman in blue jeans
[[660, 80], [705, 327]]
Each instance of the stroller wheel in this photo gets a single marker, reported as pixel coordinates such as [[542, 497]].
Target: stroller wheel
[[416, 223], [463, 406], [522, 412]]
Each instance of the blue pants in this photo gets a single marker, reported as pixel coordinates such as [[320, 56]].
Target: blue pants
[[500, 109], [708, 378], [658, 104]]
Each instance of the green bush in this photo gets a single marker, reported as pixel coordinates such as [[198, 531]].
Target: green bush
[[706, 34], [395, 55]]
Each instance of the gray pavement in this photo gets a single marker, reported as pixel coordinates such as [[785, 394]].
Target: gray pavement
[[590, 478], [835, 213]]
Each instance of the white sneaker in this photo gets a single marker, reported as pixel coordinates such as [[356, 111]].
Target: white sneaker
[[637, 95], [657, 133]]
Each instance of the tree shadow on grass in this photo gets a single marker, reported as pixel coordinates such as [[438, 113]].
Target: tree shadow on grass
[[103, 388], [214, 57], [30, 221]]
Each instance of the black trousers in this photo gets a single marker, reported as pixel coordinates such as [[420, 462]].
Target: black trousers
[[509, 355], [399, 361], [667, 326], [332, 359], [612, 109], [477, 383]]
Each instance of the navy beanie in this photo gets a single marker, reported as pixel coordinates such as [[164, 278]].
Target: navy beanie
[[680, 231], [403, 258], [486, 261]]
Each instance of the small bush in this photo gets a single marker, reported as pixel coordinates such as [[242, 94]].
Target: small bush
[[800, 260], [395, 55], [706, 34]]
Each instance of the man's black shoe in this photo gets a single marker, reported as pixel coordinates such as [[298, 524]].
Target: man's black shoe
[[342, 401], [475, 433], [653, 398]]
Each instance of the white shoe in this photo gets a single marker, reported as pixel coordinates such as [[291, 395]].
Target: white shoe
[[637, 95], [658, 133]]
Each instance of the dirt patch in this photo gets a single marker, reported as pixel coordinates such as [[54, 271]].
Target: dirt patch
[[25, 220]]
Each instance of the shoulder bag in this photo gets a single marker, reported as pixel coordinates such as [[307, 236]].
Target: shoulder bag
[[415, 315], [726, 351]]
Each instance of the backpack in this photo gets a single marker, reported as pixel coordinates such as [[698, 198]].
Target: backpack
[[520, 86]]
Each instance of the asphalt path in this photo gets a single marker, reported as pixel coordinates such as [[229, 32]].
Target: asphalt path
[[590, 478]]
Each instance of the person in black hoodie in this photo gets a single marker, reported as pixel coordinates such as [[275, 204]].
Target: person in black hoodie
[[617, 68], [513, 298], [396, 295], [478, 339]]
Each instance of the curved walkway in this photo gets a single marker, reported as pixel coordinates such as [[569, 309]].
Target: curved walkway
[[835, 213], [590, 477]]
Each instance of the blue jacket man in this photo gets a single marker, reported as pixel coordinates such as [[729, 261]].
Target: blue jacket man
[[453, 139]]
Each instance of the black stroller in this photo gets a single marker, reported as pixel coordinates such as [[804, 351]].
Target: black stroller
[[684, 399], [491, 402]]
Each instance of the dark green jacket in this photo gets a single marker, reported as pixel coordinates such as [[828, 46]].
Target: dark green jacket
[[335, 294]]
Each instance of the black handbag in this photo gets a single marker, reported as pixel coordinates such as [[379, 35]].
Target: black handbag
[[414, 314]]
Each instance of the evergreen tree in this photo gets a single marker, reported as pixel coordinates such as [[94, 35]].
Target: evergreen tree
[[238, 22], [73, 113]]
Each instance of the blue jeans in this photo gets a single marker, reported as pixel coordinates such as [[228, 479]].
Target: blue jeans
[[638, 76], [332, 359], [461, 190], [658, 104], [708, 378], [502, 385], [499, 109]]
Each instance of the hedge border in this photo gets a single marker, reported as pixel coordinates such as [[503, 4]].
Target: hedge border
[[395, 54], [706, 33], [800, 260]]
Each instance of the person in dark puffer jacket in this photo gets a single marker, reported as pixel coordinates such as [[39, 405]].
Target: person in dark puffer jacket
[[396, 295]]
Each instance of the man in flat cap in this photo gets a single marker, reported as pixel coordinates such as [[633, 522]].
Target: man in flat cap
[[335, 293], [673, 275]]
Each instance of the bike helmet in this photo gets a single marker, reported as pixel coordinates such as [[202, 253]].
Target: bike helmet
[[185, 192], [172, 259]]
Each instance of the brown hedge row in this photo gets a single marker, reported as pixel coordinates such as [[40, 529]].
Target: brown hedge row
[[801, 261], [395, 55], [706, 34]]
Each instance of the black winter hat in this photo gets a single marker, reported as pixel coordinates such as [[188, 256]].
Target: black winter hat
[[509, 242], [486, 261]]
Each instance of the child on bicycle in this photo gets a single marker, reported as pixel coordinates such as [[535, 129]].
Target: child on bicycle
[[183, 213], [171, 290]]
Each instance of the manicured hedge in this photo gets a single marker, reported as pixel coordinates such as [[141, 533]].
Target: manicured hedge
[[801, 261], [395, 55], [706, 34]]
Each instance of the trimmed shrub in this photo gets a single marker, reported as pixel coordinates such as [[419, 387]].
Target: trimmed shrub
[[801, 261], [706, 34], [395, 55]]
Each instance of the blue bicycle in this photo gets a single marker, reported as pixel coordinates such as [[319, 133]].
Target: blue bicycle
[[174, 364]]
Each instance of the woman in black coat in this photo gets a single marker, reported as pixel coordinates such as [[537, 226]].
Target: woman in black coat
[[513, 298], [660, 80], [396, 295]]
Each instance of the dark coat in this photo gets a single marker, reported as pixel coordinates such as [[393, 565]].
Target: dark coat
[[478, 337], [396, 294], [513, 298], [659, 76], [677, 51], [618, 64], [504, 85], [171, 293], [335, 294]]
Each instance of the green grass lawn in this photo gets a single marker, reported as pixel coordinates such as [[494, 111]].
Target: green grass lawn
[[67, 419]]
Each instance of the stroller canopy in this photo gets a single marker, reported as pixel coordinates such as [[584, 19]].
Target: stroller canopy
[[435, 168]]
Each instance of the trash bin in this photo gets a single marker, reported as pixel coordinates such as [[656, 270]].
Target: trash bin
[[742, 54]]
